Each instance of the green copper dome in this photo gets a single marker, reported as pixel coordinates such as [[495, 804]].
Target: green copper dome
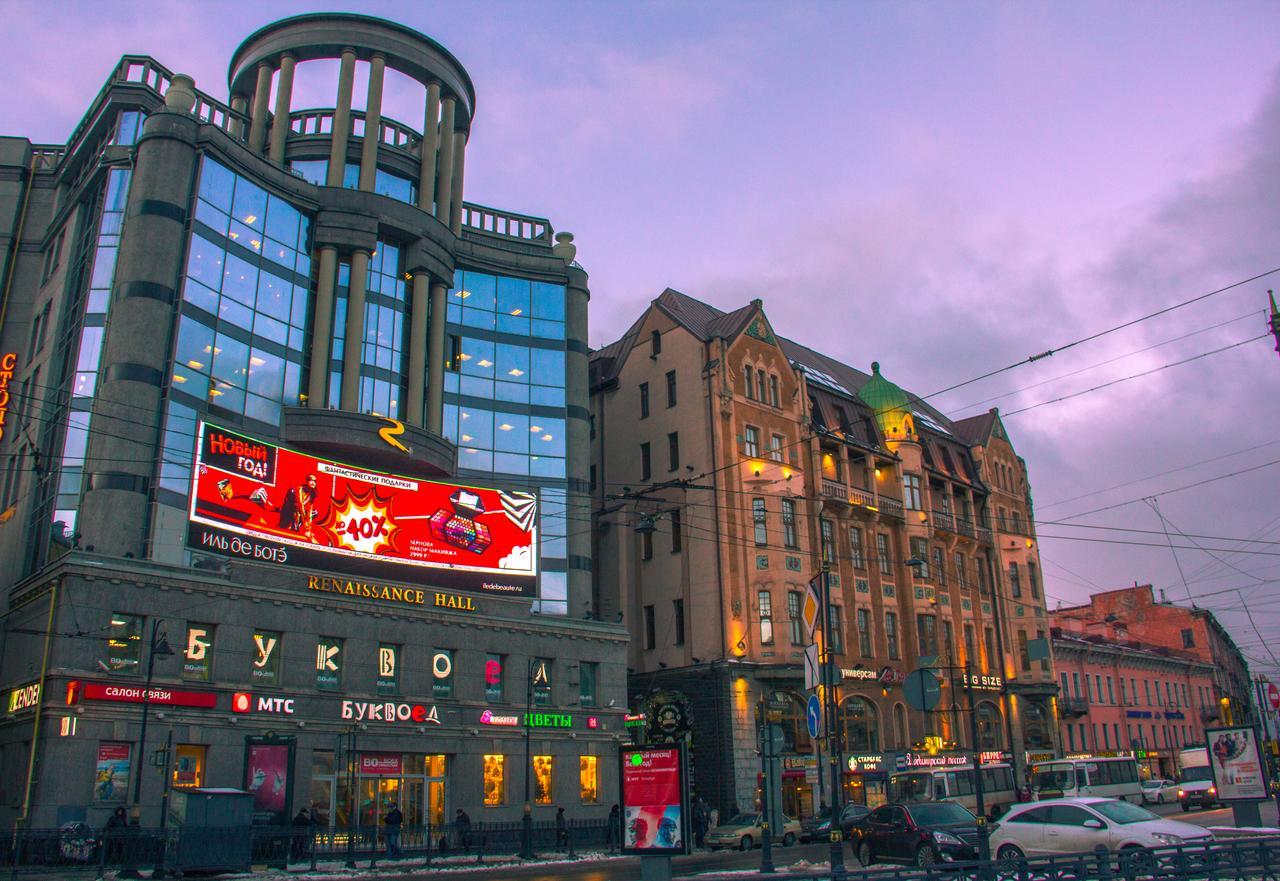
[[890, 405]]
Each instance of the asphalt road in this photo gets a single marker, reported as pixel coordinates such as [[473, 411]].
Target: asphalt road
[[1215, 817]]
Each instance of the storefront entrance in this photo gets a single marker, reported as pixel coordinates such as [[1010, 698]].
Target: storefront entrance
[[414, 782], [797, 796]]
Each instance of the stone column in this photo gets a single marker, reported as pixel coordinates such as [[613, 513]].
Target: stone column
[[284, 95], [372, 123], [240, 104], [455, 194], [261, 95], [444, 177], [417, 348], [430, 142], [342, 118], [355, 332], [322, 329], [127, 406], [578, 425], [435, 360]]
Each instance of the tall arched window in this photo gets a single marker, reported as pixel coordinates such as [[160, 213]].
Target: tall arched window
[[795, 729], [990, 730], [900, 726], [1035, 728], [861, 722]]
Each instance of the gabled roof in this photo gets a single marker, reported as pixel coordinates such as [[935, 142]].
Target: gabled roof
[[976, 429]]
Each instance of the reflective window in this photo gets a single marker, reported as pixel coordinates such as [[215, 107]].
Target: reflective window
[[124, 643], [542, 790], [588, 779]]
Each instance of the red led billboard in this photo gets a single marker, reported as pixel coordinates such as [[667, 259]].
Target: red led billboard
[[262, 502]]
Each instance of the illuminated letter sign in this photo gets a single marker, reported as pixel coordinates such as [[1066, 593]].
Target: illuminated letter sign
[[8, 364], [256, 501], [25, 698], [365, 711], [387, 662], [389, 434]]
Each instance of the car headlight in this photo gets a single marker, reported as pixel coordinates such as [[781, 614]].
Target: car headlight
[[1166, 838], [946, 838], [1181, 794], [1213, 790]]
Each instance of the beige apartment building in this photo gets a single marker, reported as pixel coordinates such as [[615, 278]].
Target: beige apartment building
[[729, 465]]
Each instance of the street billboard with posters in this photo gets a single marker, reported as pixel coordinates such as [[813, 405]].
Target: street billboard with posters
[[262, 502], [1235, 756], [655, 810]]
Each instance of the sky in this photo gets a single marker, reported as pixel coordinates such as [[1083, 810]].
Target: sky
[[946, 188]]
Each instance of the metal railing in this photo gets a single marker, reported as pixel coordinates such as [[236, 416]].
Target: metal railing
[[1254, 859], [834, 489], [78, 849], [318, 122], [944, 520], [892, 507]]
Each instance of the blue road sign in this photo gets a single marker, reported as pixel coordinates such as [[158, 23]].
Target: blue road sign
[[813, 715]]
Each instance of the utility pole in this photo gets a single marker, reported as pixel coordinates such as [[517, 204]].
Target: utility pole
[[766, 760], [832, 715]]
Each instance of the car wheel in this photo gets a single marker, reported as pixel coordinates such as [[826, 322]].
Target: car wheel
[[865, 856], [1136, 861], [925, 856], [1185, 807], [788, 839], [746, 843], [1010, 853], [1160, 799]]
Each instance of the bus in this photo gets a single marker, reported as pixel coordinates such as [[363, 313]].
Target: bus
[[1066, 778], [956, 784]]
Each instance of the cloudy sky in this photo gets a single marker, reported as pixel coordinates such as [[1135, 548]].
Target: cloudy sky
[[944, 187]]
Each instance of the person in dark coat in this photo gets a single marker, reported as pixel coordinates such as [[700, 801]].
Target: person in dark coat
[[613, 835], [392, 821], [301, 832], [462, 822], [701, 821], [117, 829], [562, 829]]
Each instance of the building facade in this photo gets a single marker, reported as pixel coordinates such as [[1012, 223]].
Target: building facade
[[241, 343], [1134, 613], [1122, 697], [731, 467]]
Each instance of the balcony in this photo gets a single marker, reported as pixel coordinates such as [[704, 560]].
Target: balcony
[[944, 520], [891, 507], [834, 489], [862, 497], [1073, 707], [965, 527], [1210, 714]]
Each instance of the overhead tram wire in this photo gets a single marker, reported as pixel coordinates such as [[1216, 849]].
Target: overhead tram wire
[[1031, 359], [1137, 375], [1089, 367]]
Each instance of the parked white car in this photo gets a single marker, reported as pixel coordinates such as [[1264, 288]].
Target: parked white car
[[1079, 825], [1157, 792]]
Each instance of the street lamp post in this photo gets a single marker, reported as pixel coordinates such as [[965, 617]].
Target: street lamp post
[[831, 710], [354, 801], [157, 645], [526, 822]]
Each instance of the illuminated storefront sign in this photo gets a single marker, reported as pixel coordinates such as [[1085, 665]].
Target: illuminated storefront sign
[[489, 717], [634, 720], [380, 764], [258, 501], [924, 760], [885, 675], [25, 698], [132, 694], [8, 364], [392, 593], [992, 756], [983, 683], [389, 711], [243, 702], [868, 762], [550, 720]]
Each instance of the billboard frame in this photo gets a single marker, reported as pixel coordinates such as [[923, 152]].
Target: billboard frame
[[682, 762]]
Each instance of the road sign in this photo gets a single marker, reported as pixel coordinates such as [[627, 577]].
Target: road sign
[[811, 676], [1273, 695], [922, 690], [810, 610], [813, 715], [900, 762]]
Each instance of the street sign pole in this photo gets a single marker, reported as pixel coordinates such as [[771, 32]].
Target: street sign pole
[[838, 872]]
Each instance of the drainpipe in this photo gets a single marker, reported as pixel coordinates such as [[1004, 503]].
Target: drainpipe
[[35, 726]]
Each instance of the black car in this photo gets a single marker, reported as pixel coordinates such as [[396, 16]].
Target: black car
[[818, 827], [918, 834]]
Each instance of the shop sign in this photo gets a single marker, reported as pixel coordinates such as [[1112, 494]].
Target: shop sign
[[993, 756], [549, 720], [868, 762], [410, 596], [593, 722], [389, 711], [1175, 714], [633, 720], [859, 674], [885, 675], [1138, 714], [243, 702], [380, 764], [925, 760], [489, 717], [254, 500], [8, 364], [1040, 757], [26, 697], [798, 763], [982, 682], [132, 694]]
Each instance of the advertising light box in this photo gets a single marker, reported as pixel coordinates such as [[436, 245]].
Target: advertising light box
[[261, 502], [655, 814]]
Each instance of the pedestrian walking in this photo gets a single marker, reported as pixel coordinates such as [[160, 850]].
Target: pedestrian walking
[[301, 831], [613, 835], [393, 821], [117, 828], [562, 829], [701, 820], [462, 823]]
